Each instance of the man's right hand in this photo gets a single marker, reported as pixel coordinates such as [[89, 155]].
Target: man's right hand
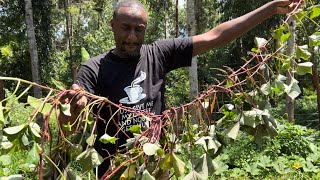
[[77, 101]]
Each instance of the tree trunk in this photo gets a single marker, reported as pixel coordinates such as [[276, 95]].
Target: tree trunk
[[32, 48], [69, 40], [290, 74], [193, 70], [177, 18], [2, 92], [315, 81]]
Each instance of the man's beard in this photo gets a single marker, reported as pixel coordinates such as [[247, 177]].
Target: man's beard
[[125, 53]]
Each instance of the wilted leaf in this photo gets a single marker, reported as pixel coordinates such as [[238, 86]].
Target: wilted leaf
[[293, 90], [251, 118], [314, 39], [193, 175], [204, 166], [303, 53], [90, 141], [266, 88], [150, 149], [66, 109], [166, 163], [33, 154], [233, 131], [304, 68], [178, 165], [260, 41], [147, 176], [108, 139], [208, 143], [35, 129], [129, 173], [89, 159]]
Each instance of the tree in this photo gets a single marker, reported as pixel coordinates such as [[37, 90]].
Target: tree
[[192, 28], [32, 48]]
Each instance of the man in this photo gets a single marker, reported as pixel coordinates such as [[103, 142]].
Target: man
[[133, 74]]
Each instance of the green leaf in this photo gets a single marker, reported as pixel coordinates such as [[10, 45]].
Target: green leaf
[[315, 11], [285, 37], [14, 130], [84, 55], [58, 84], [193, 175], [178, 165], [5, 143], [265, 161], [293, 90], [135, 129], [5, 160], [160, 152], [38, 103], [233, 131], [33, 154], [147, 176], [66, 109], [1, 115], [302, 52], [299, 15], [314, 39], [108, 139], [89, 159], [304, 68], [260, 41], [150, 149], [67, 127], [252, 169], [277, 33], [13, 177]]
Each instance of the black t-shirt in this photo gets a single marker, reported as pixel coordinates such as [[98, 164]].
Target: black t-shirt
[[136, 82]]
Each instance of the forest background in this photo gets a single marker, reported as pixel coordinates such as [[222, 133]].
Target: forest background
[[68, 32]]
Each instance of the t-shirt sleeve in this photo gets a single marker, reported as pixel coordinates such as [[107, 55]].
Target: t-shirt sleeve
[[176, 52], [87, 77]]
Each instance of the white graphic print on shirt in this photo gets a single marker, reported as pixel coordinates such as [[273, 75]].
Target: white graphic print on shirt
[[134, 91]]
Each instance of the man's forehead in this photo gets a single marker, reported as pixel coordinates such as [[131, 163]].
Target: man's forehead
[[134, 12]]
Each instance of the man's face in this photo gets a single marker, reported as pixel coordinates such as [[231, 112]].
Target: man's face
[[129, 28]]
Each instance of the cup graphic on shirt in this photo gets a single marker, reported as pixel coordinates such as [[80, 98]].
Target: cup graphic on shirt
[[134, 92]]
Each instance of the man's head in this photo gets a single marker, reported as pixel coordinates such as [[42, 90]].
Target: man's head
[[129, 24]]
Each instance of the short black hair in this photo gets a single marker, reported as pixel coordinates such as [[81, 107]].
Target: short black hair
[[127, 3]]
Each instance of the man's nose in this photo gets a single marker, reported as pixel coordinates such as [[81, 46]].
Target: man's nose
[[132, 35]]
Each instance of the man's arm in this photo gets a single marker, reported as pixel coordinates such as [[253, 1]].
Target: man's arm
[[230, 30]]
